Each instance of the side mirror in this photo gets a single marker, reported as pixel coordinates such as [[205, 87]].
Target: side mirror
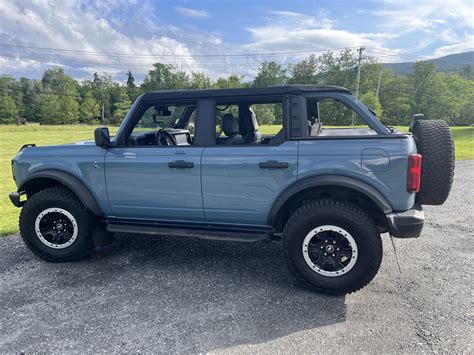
[[102, 137]]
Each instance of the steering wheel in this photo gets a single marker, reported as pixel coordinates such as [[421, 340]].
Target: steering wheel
[[164, 138]]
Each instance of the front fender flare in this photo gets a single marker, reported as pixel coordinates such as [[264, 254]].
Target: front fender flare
[[71, 182], [328, 180]]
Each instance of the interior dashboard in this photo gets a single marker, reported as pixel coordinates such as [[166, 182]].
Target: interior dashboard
[[181, 137]]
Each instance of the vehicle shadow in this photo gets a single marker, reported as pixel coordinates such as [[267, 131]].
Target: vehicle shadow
[[199, 295]]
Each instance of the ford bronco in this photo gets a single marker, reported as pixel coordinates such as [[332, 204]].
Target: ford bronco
[[329, 181]]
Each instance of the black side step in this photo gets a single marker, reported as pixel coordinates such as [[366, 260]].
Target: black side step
[[238, 236]]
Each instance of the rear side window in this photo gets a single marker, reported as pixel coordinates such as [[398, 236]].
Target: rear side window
[[248, 123], [332, 117]]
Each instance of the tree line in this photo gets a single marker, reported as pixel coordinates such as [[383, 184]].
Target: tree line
[[59, 99]]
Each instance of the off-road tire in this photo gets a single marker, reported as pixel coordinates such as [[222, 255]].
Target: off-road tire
[[63, 198], [344, 215], [434, 142]]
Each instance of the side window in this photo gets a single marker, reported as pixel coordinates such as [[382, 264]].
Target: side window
[[158, 126], [331, 117], [163, 116], [249, 122]]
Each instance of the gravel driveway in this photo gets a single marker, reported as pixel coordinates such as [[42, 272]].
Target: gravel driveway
[[190, 295]]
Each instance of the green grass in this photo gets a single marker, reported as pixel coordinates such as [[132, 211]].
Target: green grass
[[13, 137], [464, 142]]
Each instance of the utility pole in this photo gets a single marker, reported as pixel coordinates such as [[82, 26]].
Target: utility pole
[[102, 114], [359, 66], [378, 84]]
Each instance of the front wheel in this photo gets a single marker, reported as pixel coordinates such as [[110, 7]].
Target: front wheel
[[332, 246], [55, 225]]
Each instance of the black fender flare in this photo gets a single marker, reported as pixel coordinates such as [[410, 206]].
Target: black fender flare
[[328, 180], [71, 182]]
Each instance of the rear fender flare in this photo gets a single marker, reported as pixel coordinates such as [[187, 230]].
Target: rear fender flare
[[328, 180]]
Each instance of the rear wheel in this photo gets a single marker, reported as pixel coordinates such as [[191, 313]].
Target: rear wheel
[[56, 226], [332, 246]]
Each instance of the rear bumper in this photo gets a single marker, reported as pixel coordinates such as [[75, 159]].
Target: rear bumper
[[15, 198], [407, 224]]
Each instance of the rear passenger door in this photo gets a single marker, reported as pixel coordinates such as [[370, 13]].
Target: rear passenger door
[[240, 182]]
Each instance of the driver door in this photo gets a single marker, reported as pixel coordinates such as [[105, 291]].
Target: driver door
[[152, 182]]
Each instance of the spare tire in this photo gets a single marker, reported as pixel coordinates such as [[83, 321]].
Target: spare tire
[[434, 142]]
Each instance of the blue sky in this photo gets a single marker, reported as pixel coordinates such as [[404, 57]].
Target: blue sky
[[134, 33]]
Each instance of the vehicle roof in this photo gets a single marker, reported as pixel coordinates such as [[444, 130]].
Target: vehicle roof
[[254, 91]]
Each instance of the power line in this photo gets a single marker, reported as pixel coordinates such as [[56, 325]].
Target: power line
[[132, 65], [176, 65], [111, 54], [135, 65], [382, 53]]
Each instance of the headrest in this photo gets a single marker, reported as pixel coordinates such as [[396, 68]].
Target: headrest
[[249, 121], [229, 125]]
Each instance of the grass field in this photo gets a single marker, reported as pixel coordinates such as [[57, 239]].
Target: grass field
[[13, 137]]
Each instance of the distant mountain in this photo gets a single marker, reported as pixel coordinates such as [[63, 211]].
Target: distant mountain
[[452, 63]]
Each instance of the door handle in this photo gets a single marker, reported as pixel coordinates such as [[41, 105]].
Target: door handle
[[181, 164], [273, 164]]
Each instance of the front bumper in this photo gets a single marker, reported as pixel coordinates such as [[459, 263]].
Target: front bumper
[[15, 198], [407, 224]]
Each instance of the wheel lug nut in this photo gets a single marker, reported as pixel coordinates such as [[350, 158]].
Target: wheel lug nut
[[321, 247], [326, 241], [337, 249], [333, 255], [325, 254], [333, 242]]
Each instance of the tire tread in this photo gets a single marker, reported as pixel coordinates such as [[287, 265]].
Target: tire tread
[[344, 210], [435, 143], [65, 194]]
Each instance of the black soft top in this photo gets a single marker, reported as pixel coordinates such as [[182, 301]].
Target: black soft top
[[217, 93]]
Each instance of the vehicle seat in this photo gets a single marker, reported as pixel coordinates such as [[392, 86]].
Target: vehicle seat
[[231, 129], [252, 135], [314, 127]]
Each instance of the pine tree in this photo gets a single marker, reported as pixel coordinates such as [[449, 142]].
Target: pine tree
[[131, 87], [89, 110]]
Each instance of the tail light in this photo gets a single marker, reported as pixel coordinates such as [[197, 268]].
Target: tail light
[[414, 173]]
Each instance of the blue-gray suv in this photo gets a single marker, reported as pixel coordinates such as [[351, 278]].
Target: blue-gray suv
[[328, 181]]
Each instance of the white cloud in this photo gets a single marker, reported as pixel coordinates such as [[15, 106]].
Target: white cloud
[[298, 32], [408, 15], [448, 35], [431, 22], [71, 24], [131, 27], [287, 13], [466, 45], [188, 12]]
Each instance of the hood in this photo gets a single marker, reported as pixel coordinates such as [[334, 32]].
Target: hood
[[84, 142]]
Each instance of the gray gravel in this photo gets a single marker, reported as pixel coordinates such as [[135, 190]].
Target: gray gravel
[[186, 295]]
